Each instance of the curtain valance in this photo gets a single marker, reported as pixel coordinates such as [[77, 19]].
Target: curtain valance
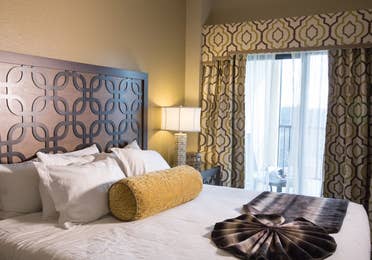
[[349, 28]]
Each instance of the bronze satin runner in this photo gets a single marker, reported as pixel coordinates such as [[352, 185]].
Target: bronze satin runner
[[324, 212], [282, 226]]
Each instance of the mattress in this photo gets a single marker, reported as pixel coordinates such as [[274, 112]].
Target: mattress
[[179, 233]]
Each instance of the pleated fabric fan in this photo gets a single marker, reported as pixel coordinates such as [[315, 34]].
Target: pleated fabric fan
[[269, 237]]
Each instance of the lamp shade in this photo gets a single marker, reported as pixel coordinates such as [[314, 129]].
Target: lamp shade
[[181, 119]]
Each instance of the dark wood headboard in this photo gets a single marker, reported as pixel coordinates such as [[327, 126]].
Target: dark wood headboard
[[57, 106]]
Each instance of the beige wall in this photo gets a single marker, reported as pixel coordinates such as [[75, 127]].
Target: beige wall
[[140, 35], [196, 14], [228, 11]]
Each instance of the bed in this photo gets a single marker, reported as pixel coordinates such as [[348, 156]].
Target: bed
[[57, 106], [179, 233]]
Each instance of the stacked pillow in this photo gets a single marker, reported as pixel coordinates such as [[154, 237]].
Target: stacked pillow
[[79, 191], [66, 158], [137, 162], [76, 157], [19, 192], [19, 184], [73, 186]]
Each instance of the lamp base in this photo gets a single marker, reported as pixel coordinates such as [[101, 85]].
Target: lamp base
[[181, 140]]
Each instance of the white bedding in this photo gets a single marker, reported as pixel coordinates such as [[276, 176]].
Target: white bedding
[[179, 233]]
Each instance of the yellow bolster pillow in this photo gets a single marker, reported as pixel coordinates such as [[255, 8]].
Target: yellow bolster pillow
[[142, 196]]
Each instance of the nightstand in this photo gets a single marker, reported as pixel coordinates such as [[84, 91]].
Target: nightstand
[[212, 176]]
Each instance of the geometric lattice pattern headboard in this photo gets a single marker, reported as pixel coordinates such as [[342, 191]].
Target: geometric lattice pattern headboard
[[57, 106]]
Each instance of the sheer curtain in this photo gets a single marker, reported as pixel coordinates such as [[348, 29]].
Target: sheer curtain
[[286, 104], [262, 117], [305, 160]]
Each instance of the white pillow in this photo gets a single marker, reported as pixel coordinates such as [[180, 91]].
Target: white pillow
[[93, 149], [19, 189], [60, 158], [80, 192], [138, 162], [133, 145], [102, 156], [49, 209]]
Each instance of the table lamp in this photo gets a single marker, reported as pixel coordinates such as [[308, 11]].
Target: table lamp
[[180, 120]]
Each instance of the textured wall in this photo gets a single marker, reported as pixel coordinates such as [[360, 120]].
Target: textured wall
[[196, 14], [223, 11], [129, 34]]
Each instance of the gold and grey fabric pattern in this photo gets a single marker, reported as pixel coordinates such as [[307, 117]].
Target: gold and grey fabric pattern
[[291, 33], [221, 140], [348, 146]]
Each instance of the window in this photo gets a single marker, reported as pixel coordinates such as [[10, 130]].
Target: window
[[286, 106]]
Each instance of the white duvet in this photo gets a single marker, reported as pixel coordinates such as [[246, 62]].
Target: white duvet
[[179, 233]]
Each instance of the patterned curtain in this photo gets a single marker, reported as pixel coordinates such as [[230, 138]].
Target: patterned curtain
[[348, 148], [222, 118]]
